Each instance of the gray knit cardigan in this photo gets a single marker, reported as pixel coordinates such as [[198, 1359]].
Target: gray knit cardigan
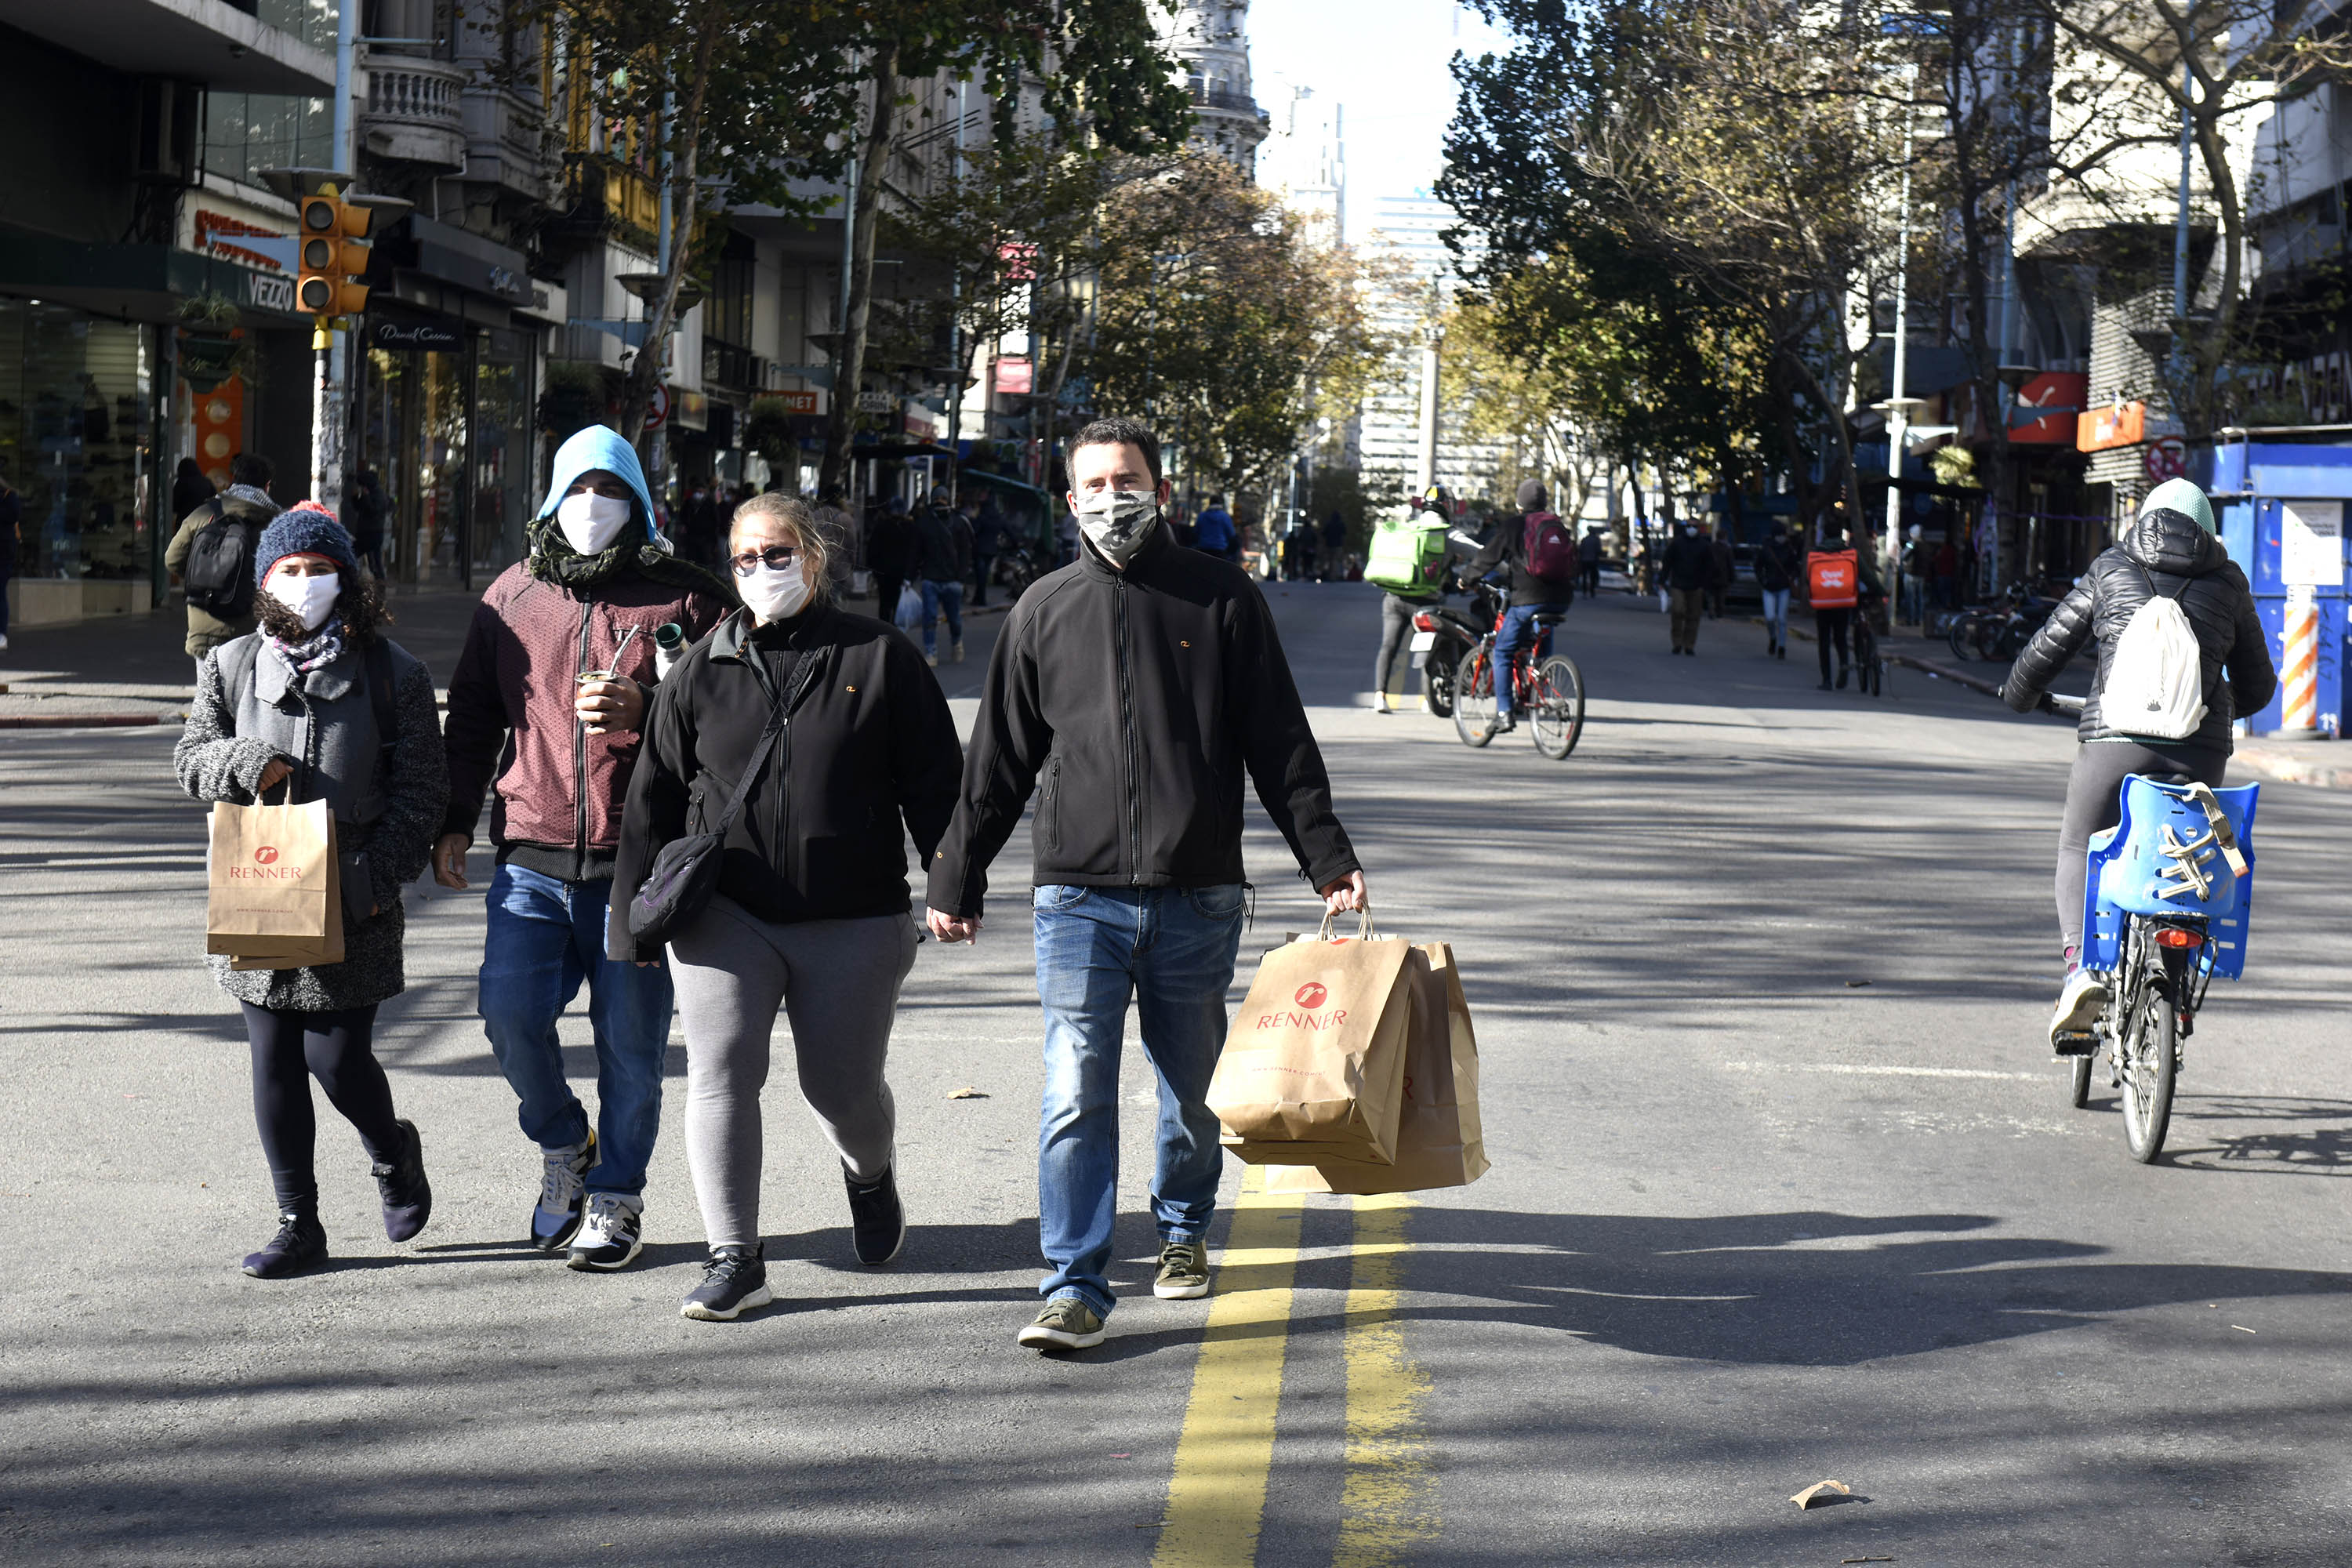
[[216, 763]]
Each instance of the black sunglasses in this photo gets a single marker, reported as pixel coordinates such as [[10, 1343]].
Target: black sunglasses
[[776, 555]]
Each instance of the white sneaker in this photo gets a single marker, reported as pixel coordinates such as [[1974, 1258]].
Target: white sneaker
[[611, 1235], [562, 1182], [4, 642], [2079, 1004]]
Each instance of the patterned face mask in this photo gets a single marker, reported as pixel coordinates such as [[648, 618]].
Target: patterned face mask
[[1117, 522]]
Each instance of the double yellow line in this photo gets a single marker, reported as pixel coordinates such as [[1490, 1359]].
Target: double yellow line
[[1216, 1498]]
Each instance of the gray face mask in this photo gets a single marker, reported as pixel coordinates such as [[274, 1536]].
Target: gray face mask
[[1118, 522]]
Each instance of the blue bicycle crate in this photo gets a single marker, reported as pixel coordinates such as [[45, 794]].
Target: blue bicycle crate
[[2132, 873]]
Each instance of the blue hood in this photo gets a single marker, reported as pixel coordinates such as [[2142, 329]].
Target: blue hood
[[598, 447]]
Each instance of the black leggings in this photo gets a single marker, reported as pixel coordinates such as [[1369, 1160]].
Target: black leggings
[[1396, 634], [288, 1050], [2093, 801], [1830, 626]]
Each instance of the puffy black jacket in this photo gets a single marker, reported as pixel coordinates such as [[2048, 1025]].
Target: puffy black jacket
[[1141, 697], [868, 741], [2164, 552], [1690, 562]]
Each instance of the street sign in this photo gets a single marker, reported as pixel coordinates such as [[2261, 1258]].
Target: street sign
[[2311, 544], [657, 408]]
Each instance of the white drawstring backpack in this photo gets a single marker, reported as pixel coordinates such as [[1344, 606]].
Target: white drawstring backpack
[[2156, 678]]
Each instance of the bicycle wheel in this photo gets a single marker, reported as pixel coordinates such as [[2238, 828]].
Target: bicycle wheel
[[2147, 1057], [1877, 674], [1556, 711], [1474, 698]]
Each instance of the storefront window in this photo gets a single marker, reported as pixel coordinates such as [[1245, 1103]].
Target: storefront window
[[248, 132], [77, 439], [502, 469], [448, 433]]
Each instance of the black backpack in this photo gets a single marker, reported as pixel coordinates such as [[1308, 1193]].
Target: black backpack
[[219, 573]]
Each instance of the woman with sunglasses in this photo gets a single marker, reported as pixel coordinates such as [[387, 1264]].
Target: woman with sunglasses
[[812, 916]]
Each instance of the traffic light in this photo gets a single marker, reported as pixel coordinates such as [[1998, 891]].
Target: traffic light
[[335, 257]]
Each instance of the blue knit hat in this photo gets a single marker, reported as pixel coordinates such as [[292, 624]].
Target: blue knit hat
[[306, 527]]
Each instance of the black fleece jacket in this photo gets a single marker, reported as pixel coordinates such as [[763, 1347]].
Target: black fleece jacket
[[1140, 697], [2164, 552], [867, 743]]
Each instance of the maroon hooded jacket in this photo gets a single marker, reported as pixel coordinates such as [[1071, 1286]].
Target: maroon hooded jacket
[[559, 789]]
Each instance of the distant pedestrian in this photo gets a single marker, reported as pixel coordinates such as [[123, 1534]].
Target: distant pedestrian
[[319, 701], [1725, 564], [1914, 568], [843, 540], [1335, 546], [1140, 684], [548, 704], [991, 536], [1835, 583], [1687, 570], [942, 555], [890, 554], [1777, 562], [190, 489], [1588, 560], [1213, 532], [811, 918], [370, 511], [12, 541], [219, 535]]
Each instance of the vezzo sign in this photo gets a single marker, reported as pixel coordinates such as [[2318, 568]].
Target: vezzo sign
[[263, 292]]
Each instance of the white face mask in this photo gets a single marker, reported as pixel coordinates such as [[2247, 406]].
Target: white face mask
[[1117, 522], [591, 522], [312, 599], [773, 594]]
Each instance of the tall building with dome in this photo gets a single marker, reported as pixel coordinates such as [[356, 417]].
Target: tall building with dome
[[1210, 38]]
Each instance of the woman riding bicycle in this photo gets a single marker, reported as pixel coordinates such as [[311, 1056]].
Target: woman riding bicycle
[[2169, 549]]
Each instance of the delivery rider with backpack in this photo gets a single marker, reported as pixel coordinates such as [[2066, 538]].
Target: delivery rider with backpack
[[212, 552], [1408, 559], [1541, 556], [2171, 615]]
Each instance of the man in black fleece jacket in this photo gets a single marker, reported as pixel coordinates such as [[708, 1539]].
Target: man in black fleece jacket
[[1140, 682]]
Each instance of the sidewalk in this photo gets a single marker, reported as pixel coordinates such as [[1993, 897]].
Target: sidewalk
[[133, 671]]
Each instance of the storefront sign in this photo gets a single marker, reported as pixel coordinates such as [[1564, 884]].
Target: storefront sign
[[920, 422], [2311, 544], [1014, 376], [2047, 408], [691, 410], [810, 401], [414, 337], [233, 238], [2117, 424], [268, 291], [876, 403]]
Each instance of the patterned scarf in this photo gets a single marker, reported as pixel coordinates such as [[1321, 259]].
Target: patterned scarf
[[552, 560], [325, 647]]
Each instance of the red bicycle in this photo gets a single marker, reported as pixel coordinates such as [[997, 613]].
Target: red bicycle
[[1547, 692]]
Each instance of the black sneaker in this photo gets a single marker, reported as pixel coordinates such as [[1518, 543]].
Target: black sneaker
[[733, 1282], [562, 1194], [300, 1245], [877, 1224], [1066, 1324], [407, 1195], [1843, 673], [610, 1236]]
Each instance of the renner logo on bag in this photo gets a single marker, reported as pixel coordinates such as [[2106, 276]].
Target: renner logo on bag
[[266, 869], [1310, 997]]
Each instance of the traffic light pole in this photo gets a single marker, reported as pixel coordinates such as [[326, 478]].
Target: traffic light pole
[[326, 422]]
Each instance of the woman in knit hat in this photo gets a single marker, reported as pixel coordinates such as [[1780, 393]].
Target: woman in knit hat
[[316, 704]]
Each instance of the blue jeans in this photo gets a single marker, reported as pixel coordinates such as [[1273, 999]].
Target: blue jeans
[[1171, 950], [545, 937], [1776, 614], [937, 596], [1517, 631]]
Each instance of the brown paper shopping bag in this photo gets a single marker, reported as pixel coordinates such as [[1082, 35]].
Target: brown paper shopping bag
[[1315, 1061], [1439, 1140], [274, 886]]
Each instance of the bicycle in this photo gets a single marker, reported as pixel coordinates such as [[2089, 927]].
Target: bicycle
[[1546, 688], [1870, 662], [2165, 911]]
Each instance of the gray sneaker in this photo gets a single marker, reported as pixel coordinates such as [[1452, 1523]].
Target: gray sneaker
[[2079, 1006], [1066, 1324], [1183, 1271]]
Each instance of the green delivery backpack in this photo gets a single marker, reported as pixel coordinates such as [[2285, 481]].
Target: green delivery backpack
[[1407, 554]]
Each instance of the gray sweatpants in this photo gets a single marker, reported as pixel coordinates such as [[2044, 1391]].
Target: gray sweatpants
[[837, 982]]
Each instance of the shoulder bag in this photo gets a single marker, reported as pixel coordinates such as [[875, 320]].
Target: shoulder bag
[[686, 873]]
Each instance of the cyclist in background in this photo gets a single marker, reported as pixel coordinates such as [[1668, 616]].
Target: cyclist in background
[[2170, 549], [1528, 592], [1835, 583]]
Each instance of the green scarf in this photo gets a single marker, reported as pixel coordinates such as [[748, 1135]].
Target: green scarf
[[552, 560]]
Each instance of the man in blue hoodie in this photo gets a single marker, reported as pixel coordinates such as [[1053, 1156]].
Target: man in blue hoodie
[[547, 702]]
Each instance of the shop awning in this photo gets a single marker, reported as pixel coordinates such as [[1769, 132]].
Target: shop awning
[[998, 481], [138, 282]]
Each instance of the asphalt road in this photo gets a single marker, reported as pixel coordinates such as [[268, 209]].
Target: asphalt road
[[1784, 1188]]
